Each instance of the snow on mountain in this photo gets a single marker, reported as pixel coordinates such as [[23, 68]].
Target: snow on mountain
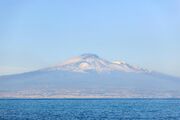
[[90, 76], [92, 62]]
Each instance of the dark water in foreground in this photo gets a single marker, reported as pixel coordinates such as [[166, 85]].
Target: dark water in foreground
[[90, 109]]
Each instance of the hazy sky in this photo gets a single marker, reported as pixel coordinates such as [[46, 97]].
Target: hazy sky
[[38, 33]]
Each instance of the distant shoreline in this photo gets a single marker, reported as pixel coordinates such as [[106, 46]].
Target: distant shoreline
[[89, 98]]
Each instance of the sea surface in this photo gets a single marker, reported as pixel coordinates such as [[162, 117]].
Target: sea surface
[[90, 109]]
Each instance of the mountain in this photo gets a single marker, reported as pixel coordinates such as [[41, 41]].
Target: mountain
[[91, 62], [89, 76]]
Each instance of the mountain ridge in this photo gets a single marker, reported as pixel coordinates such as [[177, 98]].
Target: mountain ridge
[[93, 62], [89, 76]]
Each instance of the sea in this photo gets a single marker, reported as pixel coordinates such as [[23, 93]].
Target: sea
[[89, 109]]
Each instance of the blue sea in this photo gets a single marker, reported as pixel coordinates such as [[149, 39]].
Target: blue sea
[[90, 109]]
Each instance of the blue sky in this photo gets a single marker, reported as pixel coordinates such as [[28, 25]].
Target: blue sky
[[38, 33]]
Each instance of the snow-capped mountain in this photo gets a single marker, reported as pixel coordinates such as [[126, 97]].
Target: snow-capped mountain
[[92, 62], [89, 76]]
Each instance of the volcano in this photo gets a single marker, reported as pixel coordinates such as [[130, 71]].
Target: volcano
[[89, 76]]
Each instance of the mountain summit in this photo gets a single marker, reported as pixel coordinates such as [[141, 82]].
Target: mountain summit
[[90, 76], [92, 62]]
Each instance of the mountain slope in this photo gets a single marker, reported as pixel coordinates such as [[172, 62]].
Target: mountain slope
[[91, 62], [90, 76]]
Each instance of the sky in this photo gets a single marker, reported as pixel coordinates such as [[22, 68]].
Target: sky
[[39, 33]]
